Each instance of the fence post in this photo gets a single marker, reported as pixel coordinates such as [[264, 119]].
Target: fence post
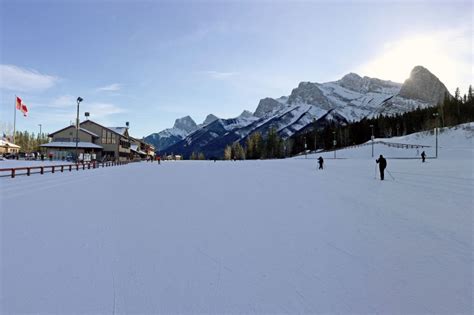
[[52, 169], [77, 167], [13, 173], [62, 168], [28, 171], [41, 170], [83, 166], [70, 167]]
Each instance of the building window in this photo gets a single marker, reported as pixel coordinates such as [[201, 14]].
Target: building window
[[104, 136], [109, 137], [114, 137]]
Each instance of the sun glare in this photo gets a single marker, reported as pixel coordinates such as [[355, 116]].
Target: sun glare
[[439, 52]]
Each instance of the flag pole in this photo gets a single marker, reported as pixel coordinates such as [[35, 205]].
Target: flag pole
[[14, 120]]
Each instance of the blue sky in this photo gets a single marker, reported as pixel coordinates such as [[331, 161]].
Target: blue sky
[[150, 62]]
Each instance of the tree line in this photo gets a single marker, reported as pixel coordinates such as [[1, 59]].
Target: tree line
[[29, 142]]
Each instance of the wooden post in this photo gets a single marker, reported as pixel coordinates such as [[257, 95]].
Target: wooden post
[[13, 173], [83, 166], [41, 170], [62, 168], [28, 171], [52, 169], [77, 167], [70, 167]]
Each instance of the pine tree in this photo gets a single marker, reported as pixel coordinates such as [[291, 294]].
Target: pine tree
[[228, 153]]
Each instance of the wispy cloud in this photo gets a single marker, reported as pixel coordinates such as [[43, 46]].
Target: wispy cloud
[[64, 108], [219, 75], [102, 110], [21, 79], [63, 101], [110, 88]]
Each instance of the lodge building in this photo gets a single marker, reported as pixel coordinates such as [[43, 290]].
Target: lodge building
[[99, 142]]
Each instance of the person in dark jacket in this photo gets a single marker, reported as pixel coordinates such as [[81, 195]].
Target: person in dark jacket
[[321, 162], [382, 165], [423, 156]]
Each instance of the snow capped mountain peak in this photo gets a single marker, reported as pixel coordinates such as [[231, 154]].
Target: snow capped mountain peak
[[209, 118], [267, 106], [309, 93], [185, 123], [424, 86], [246, 114]]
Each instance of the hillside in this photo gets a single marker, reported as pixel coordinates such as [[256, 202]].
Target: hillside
[[453, 143]]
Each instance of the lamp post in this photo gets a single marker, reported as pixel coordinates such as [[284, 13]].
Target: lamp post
[[436, 116], [372, 137], [315, 134], [334, 143], [305, 146], [79, 100]]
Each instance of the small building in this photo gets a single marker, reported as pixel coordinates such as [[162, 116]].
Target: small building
[[63, 143], [6, 147], [105, 143], [139, 149]]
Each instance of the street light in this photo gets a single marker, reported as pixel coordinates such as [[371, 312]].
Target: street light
[[305, 146], [79, 100], [315, 134], [372, 137], [334, 143], [436, 116]]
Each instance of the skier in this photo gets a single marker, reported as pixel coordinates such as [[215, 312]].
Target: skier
[[321, 162], [382, 165], [423, 156]]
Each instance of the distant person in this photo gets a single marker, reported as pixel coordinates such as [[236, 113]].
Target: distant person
[[382, 165], [158, 158], [321, 162], [42, 157], [423, 156]]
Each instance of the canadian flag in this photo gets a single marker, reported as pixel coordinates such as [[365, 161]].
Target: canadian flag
[[22, 107]]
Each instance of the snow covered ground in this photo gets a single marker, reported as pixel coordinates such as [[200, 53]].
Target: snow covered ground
[[240, 237]]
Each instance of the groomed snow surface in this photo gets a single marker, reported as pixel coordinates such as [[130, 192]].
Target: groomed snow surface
[[241, 237]]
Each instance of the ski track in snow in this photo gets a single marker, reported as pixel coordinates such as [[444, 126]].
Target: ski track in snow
[[240, 237]]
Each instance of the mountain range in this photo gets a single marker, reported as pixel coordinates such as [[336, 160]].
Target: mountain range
[[351, 98]]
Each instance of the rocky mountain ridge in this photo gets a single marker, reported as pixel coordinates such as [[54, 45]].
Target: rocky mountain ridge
[[351, 98]]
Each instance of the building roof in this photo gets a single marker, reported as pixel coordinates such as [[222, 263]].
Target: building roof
[[113, 129], [120, 130], [82, 145], [73, 126], [134, 148], [5, 143]]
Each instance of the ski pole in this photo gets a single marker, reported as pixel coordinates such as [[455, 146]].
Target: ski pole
[[390, 175]]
